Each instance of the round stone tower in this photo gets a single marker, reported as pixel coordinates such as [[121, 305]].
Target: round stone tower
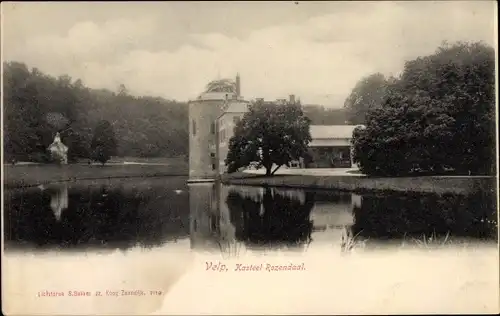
[[203, 130]]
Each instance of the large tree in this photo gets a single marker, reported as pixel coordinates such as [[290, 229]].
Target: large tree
[[104, 143], [439, 114], [366, 95], [269, 134]]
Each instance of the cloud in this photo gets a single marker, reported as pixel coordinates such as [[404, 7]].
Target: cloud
[[319, 58]]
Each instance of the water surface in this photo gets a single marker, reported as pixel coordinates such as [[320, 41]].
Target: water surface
[[382, 253], [157, 212]]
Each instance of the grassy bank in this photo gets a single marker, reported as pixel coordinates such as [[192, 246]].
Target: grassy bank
[[33, 175], [430, 184]]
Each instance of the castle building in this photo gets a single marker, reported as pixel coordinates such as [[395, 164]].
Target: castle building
[[214, 114], [204, 132]]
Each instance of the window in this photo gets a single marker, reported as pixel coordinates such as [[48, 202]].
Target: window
[[222, 134], [212, 161], [236, 119], [194, 127], [212, 128]]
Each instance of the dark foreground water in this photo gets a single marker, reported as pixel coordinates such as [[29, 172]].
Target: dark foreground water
[[121, 214]]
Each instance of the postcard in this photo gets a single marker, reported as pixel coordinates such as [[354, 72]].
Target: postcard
[[247, 158]]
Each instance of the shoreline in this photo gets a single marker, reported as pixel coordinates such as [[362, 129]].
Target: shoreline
[[25, 176], [8, 186], [423, 184]]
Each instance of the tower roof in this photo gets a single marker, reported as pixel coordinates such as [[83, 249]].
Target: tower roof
[[218, 96], [221, 85], [220, 89]]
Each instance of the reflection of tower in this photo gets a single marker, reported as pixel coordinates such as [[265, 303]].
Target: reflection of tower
[[227, 231], [59, 200], [209, 229], [201, 223]]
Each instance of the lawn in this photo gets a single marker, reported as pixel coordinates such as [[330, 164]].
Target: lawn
[[36, 174]]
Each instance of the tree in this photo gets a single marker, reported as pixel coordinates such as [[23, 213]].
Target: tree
[[440, 114], [122, 90], [367, 94], [320, 115], [269, 134], [104, 142]]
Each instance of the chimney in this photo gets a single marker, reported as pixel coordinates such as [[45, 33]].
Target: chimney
[[238, 87], [292, 98]]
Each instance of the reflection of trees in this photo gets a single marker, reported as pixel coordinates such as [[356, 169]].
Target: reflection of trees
[[164, 216], [275, 219], [417, 215], [28, 217], [103, 216]]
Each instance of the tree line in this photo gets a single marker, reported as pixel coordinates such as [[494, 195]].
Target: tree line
[[437, 116], [37, 106]]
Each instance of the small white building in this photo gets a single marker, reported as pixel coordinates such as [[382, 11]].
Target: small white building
[[331, 146], [58, 150]]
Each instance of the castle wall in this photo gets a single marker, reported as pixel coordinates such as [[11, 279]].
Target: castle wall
[[226, 125], [202, 138]]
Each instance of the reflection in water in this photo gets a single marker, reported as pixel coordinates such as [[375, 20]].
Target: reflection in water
[[59, 200], [278, 217], [210, 228], [103, 214], [418, 216], [271, 217], [228, 219], [333, 218]]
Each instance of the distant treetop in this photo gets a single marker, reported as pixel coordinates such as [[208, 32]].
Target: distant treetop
[[222, 85]]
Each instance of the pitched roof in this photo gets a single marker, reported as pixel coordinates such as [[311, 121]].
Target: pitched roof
[[332, 131]]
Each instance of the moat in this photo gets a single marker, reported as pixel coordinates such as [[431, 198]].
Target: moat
[[160, 212]]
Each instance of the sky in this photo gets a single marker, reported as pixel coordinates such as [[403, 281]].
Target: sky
[[315, 50]]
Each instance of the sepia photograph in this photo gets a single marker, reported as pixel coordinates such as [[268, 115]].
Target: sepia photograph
[[249, 158]]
